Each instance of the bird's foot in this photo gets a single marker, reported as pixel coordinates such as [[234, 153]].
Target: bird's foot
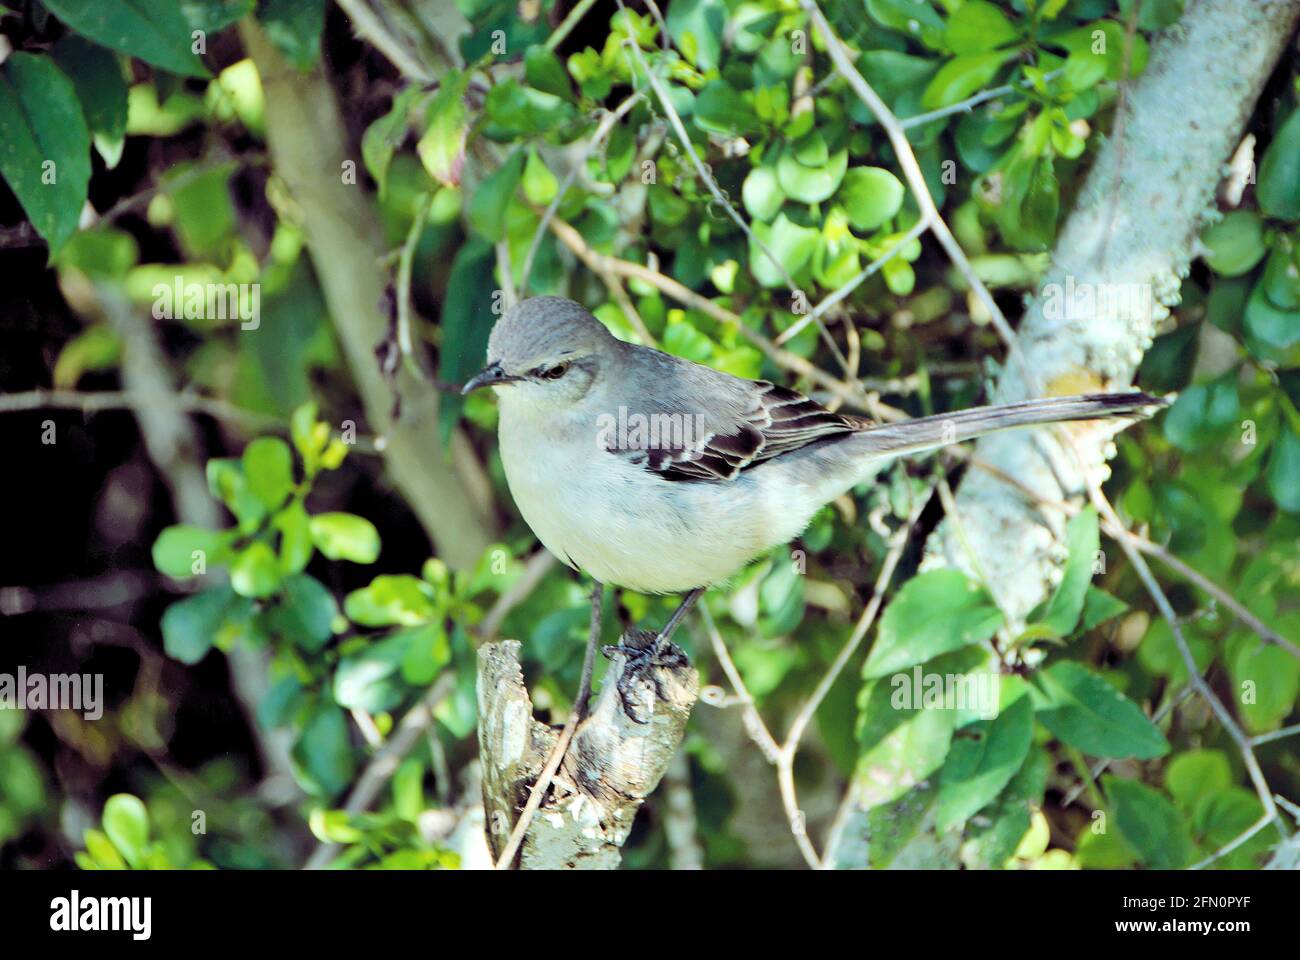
[[645, 653]]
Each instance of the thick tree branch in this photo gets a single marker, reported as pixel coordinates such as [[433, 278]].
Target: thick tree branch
[[309, 148], [1135, 228], [611, 766]]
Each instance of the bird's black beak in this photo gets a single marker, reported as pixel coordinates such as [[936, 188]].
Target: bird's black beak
[[489, 376]]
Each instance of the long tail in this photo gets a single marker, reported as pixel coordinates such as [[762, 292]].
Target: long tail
[[928, 433]]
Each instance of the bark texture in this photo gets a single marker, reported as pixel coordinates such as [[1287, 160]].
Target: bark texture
[[309, 148], [611, 766]]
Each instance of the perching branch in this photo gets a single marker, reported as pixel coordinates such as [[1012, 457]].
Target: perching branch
[[611, 766]]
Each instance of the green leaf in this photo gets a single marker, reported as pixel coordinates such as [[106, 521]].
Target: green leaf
[[961, 77], [1266, 680], [1236, 243], [1042, 205], [442, 147], [427, 652], [205, 214], [870, 196], [1158, 652], [487, 208], [791, 244], [696, 27], [104, 254], [543, 70], [1084, 711], [103, 855], [1203, 414], [1099, 606], [126, 822], [1284, 470], [1150, 823], [983, 759], [295, 26], [977, 27], [911, 752], [389, 600], [1108, 49], [1195, 774], [227, 483], [1155, 14], [385, 135], [1267, 325], [189, 626], [811, 184], [913, 18], [899, 276], [367, 679], [212, 16], [1278, 190], [294, 526], [991, 844], [762, 194], [1281, 279], [304, 613], [466, 322], [97, 76], [408, 789], [721, 109], [256, 571], [44, 145], [173, 551], [935, 612], [1082, 538], [157, 33], [540, 185], [345, 536], [514, 110], [268, 468], [1169, 363], [323, 754]]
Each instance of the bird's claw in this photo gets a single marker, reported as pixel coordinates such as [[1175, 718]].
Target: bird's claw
[[645, 653]]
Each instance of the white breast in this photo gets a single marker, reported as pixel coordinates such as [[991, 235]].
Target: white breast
[[623, 525]]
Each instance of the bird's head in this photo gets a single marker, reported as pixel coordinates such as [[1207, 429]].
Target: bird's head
[[546, 352]]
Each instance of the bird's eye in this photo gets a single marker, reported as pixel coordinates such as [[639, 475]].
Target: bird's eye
[[557, 371]]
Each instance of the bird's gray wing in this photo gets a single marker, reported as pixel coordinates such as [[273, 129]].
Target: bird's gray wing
[[737, 423]]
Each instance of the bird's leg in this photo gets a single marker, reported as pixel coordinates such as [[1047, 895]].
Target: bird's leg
[[679, 614], [644, 654]]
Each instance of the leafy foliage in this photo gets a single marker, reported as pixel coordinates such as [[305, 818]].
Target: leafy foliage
[[313, 567]]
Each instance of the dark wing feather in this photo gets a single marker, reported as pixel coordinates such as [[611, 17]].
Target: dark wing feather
[[773, 421]]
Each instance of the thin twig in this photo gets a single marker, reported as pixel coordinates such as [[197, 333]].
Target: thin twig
[[916, 180], [1197, 680], [848, 287], [601, 263], [369, 26], [405, 339], [1148, 546], [1279, 734], [564, 29], [706, 175], [970, 103], [597, 137], [384, 764], [543, 781], [535, 570], [786, 754], [754, 725]]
